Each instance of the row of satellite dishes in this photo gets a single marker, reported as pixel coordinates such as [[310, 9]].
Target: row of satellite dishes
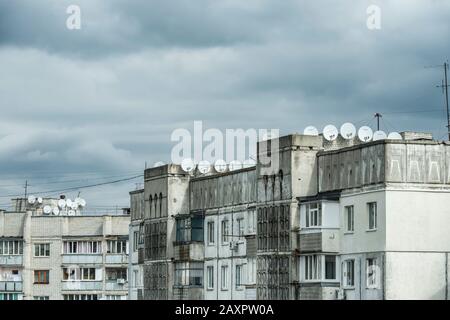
[[204, 166], [348, 132], [64, 206]]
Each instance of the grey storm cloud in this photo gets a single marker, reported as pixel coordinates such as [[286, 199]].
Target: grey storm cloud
[[105, 99]]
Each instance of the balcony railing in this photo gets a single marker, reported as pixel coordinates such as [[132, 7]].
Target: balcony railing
[[16, 260], [81, 285], [82, 259], [116, 258], [11, 286], [114, 285]]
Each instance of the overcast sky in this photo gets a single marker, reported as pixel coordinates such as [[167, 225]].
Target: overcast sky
[[95, 104]]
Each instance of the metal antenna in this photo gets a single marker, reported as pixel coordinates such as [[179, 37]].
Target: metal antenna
[[378, 116], [444, 87], [26, 188]]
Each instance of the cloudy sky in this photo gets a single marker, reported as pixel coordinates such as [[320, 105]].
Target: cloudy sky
[[93, 105]]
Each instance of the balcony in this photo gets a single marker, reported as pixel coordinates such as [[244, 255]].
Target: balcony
[[116, 286], [11, 260], [188, 251], [116, 258], [319, 240], [11, 286], [81, 285], [187, 293], [82, 259]]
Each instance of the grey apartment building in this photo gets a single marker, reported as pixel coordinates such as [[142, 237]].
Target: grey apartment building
[[334, 220], [54, 257]]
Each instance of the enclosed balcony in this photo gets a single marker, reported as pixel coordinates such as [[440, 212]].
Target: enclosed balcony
[[11, 260], [81, 285], [11, 286], [82, 259]]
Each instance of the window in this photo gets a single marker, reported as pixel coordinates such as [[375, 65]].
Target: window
[[79, 274], [189, 274], [371, 273], [313, 215], [135, 240], [82, 247], [349, 218], [210, 277], [115, 297], [349, 273], [41, 298], [197, 228], [42, 250], [116, 273], [330, 267], [41, 276], [210, 231], [225, 231], [372, 208], [9, 296], [240, 227], [239, 275], [80, 297], [190, 229], [312, 267], [117, 246], [11, 247], [224, 278]]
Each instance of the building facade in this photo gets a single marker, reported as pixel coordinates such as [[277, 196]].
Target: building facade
[[332, 220], [48, 257]]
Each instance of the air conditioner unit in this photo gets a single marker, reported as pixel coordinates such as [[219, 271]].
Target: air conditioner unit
[[233, 245], [121, 281], [340, 294]]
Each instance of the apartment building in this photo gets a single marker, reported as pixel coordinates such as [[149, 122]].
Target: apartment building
[[55, 257], [335, 219]]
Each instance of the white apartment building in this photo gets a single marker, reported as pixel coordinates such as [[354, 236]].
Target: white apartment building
[[49, 257]]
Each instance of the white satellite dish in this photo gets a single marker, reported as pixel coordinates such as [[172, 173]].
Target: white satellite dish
[[330, 132], [187, 165], [220, 166], [55, 211], [204, 166], [71, 212], [82, 202], [74, 205], [40, 200], [379, 135], [235, 165], [395, 136], [68, 203], [365, 134], [311, 131], [61, 203], [158, 164], [31, 199], [348, 131], [249, 163], [47, 209]]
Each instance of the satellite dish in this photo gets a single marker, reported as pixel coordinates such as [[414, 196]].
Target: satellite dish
[[249, 163], [311, 131], [31, 199], [71, 212], [235, 165], [68, 203], [220, 166], [379, 135], [348, 131], [330, 132], [395, 136], [55, 211], [74, 205], [61, 203], [187, 165], [204, 166], [158, 164], [365, 134], [82, 202], [47, 209], [39, 200]]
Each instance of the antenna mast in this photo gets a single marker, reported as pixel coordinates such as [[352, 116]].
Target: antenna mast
[[378, 116], [444, 87], [26, 188]]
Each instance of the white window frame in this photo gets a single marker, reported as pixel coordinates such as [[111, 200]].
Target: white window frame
[[349, 218], [225, 230], [372, 273], [240, 227], [42, 248], [313, 218], [210, 277], [373, 215], [224, 277], [346, 264], [210, 232], [239, 276]]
